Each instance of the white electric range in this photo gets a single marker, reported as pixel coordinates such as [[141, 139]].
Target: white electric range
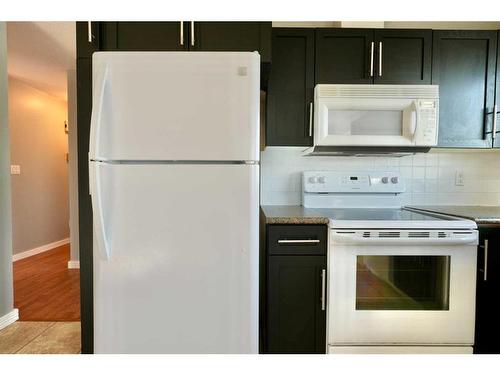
[[399, 281]]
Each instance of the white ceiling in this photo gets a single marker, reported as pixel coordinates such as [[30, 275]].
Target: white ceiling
[[40, 54]]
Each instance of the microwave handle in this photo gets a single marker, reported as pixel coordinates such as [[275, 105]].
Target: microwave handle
[[414, 119]]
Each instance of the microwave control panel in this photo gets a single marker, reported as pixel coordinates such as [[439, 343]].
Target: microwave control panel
[[428, 123]]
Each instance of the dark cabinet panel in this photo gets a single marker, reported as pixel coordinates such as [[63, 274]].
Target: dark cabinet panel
[[145, 36], [464, 68], [343, 55], [84, 47], [296, 323], [232, 36], [488, 285], [291, 88], [496, 140], [84, 108], [403, 56]]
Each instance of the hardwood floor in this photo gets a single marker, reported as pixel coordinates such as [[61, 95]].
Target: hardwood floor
[[45, 289]]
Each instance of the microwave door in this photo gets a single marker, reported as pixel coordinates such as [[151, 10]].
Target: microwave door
[[367, 122]]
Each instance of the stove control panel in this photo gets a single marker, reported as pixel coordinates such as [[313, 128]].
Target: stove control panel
[[356, 182]]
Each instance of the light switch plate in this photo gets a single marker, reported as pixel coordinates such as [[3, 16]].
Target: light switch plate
[[15, 169]]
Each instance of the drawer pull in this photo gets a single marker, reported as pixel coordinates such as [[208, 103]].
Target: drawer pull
[[298, 241]]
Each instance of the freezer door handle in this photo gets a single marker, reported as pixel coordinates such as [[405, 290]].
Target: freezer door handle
[[97, 212], [97, 104]]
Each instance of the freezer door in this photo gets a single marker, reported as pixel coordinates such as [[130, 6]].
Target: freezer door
[[180, 271], [175, 106]]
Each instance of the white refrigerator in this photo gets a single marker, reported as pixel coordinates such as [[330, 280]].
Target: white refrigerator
[[174, 182]]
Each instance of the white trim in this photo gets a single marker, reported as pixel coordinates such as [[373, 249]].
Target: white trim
[[73, 264], [9, 318], [40, 249]]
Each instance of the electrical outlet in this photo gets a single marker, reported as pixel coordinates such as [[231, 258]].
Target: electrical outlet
[[15, 169], [459, 178]]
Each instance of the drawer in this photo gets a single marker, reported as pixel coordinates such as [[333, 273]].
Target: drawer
[[297, 239]]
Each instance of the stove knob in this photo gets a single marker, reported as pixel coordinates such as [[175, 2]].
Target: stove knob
[[385, 180], [321, 179], [312, 180], [394, 180]]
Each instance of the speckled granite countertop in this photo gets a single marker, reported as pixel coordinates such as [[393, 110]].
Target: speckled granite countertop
[[292, 215], [480, 214]]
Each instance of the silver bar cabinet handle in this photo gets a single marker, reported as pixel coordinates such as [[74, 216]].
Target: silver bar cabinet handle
[[494, 121], [298, 241], [485, 260], [192, 33], [323, 289], [89, 31], [371, 58], [310, 119], [182, 33], [380, 59]]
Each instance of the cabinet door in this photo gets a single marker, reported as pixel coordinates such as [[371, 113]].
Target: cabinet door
[[87, 43], [145, 36], [84, 108], [296, 322], [496, 140], [463, 65], [344, 56], [488, 285], [403, 56], [232, 36], [291, 88]]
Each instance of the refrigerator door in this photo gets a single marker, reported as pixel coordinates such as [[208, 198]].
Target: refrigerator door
[[180, 271], [175, 106]]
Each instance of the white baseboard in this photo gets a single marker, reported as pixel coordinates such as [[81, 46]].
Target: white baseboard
[[74, 264], [40, 249], [9, 318]]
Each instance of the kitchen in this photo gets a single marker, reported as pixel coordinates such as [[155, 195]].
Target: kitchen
[[366, 219]]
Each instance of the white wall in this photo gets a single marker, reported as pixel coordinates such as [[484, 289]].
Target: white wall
[[430, 177], [393, 24], [73, 168], [38, 143], [6, 290]]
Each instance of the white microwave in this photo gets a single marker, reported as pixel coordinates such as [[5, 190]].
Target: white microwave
[[387, 117]]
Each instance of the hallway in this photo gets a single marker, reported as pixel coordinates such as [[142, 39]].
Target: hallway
[[45, 289]]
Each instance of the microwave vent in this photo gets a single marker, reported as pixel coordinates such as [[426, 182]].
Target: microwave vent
[[378, 91]]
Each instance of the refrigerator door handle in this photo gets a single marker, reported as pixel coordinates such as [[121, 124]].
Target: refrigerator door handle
[[95, 119], [97, 211]]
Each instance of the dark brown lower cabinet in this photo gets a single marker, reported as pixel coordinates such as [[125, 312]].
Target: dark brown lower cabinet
[[296, 292], [487, 292]]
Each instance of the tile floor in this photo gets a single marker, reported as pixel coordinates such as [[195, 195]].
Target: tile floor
[[41, 338]]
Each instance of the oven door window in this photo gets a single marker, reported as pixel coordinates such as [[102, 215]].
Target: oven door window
[[402, 282]]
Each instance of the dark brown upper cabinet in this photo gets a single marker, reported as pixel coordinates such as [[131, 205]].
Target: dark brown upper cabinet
[[145, 36], [343, 56], [188, 36], [402, 56], [385, 56], [463, 65], [291, 88], [232, 36]]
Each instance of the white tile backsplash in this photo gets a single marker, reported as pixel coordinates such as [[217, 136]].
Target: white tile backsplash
[[430, 178]]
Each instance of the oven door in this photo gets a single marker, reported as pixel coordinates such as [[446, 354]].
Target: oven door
[[387, 290]]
